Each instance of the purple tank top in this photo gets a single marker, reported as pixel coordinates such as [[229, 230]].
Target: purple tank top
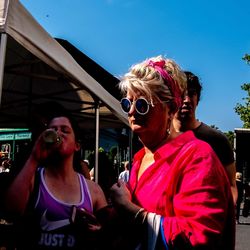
[[55, 215]]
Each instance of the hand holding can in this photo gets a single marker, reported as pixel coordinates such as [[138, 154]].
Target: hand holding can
[[47, 143], [51, 137]]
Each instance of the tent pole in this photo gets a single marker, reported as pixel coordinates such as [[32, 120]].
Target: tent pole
[[97, 128], [2, 61]]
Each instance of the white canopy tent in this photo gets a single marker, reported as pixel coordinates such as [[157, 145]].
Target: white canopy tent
[[35, 68]]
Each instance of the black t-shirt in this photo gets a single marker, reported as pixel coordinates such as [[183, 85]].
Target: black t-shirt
[[218, 141]]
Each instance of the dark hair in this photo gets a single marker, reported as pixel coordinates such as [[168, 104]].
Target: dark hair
[[62, 112], [193, 82], [50, 110]]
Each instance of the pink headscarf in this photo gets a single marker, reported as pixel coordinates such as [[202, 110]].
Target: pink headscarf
[[172, 85]]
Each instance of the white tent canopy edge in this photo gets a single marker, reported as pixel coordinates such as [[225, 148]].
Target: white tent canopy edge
[[17, 22]]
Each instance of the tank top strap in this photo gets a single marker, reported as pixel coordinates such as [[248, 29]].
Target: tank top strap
[[86, 197]]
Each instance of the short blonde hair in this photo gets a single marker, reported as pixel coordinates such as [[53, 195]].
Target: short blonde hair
[[147, 81]]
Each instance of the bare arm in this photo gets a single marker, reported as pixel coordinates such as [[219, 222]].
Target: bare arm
[[98, 198], [18, 194], [231, 172]]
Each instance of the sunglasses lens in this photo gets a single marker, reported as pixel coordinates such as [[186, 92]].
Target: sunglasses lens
[[126, 105], [141, 106]]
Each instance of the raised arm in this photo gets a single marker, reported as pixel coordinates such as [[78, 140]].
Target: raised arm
[[18, 194]]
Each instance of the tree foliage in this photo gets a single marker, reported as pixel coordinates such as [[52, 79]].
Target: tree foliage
[[246, 57], [214, 126], [243, 110], [230, 136]]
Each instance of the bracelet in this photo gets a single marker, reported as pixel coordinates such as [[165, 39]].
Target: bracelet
[[140, 216], [138, 212]]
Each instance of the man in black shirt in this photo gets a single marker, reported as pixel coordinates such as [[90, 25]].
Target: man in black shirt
[[185, 120]]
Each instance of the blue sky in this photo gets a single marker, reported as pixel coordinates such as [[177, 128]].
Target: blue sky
[[208, 38]]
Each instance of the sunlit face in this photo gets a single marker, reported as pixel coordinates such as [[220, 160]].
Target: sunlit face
[[64, 129], [156, 118]]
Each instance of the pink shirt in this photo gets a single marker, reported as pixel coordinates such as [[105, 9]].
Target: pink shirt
[[188, 187]]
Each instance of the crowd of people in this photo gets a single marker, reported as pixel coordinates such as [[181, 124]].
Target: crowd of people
[[179, 191]]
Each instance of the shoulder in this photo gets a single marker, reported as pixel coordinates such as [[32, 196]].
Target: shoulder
[[121, 174], [97, 194], [198, 154], [218, 141], [190, 141], [206, 131], [195, 148], [93, 186]]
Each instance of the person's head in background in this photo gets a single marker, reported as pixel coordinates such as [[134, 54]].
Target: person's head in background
[[126, 165], [152, 93], [83, 168], [191, 98], [62, 121], [238, 176]]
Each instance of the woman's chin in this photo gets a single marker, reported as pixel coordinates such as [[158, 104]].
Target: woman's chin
[[136, 128]]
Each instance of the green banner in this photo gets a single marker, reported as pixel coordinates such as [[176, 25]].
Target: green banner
[[15, 136]]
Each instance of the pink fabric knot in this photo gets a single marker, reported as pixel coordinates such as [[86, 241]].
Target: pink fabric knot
[[160, 64]]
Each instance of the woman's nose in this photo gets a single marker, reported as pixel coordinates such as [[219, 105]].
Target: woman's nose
[[132, 109]]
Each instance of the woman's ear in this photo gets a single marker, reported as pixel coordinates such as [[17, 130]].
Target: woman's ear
[[77, 146]]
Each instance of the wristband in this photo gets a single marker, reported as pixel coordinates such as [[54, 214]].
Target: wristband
[[140, 215]]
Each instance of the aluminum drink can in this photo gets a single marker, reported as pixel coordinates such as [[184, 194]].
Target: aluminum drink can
[[51, 137]]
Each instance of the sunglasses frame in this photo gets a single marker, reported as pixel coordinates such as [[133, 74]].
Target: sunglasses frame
[[131, 103]]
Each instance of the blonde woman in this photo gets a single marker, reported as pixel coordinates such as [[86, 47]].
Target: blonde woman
[[178, 195]]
